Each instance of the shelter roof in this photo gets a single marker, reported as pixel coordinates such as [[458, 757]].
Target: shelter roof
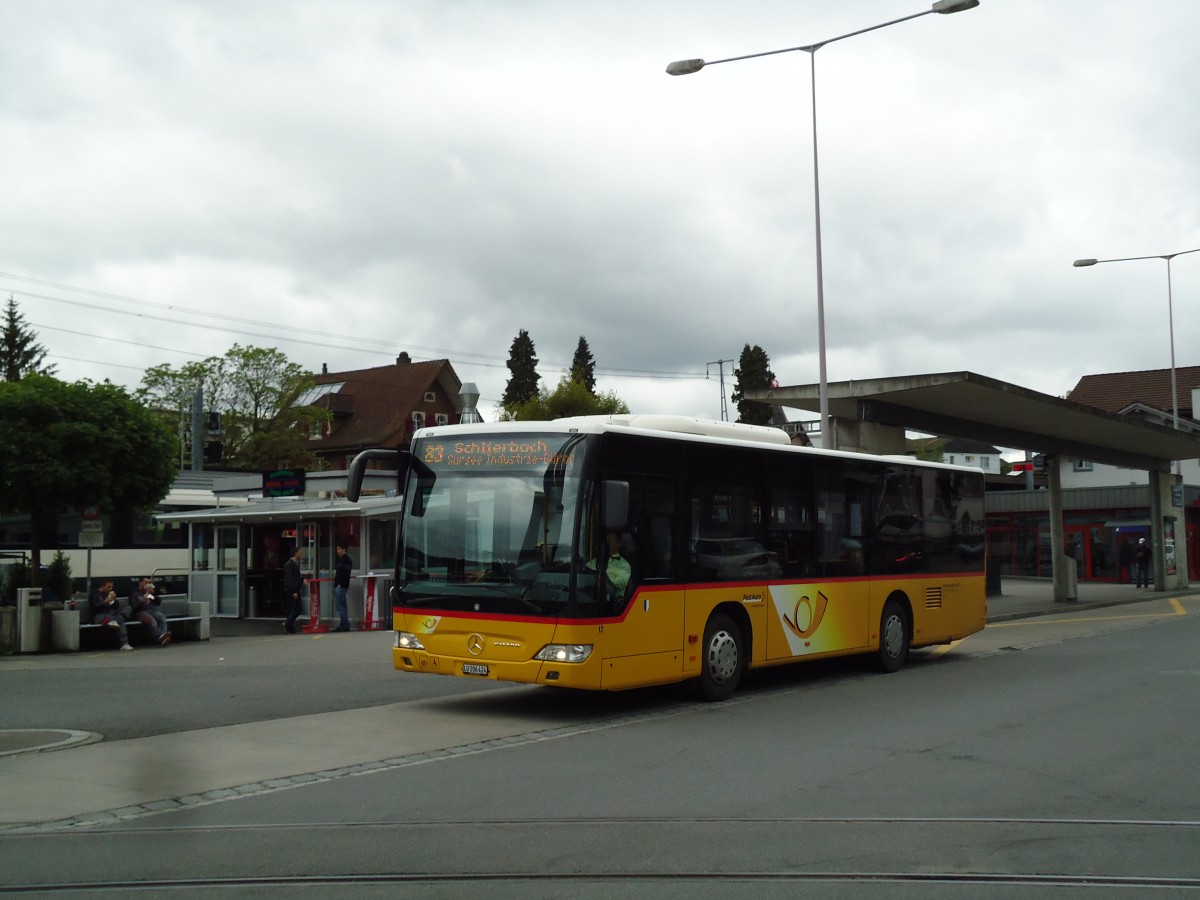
[[289, 510], [973, 406]]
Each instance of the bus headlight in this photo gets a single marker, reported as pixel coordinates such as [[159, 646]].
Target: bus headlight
[[407, 641], [564, 653]]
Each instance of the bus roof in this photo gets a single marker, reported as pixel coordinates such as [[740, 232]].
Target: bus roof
[[669, 424], [680, 427]]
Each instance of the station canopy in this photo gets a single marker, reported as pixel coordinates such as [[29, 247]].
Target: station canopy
[[967, 405]]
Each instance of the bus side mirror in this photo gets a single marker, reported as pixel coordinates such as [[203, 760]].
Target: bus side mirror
[[358, 469], [424, 483], [615, 497]]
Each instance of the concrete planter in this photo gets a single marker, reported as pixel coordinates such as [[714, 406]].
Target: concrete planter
[[64, 630]]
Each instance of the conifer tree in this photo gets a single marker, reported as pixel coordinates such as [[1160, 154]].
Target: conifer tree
[[523, 382], [583, 366], [753, 371], [20, 353]]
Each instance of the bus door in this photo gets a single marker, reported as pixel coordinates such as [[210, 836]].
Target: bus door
[[643, 636]]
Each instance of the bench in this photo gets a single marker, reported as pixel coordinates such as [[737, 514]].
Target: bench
[[186, 620]]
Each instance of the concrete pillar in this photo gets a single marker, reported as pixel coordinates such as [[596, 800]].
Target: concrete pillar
[[1063, 579], [1166, 521], [1156, 530]]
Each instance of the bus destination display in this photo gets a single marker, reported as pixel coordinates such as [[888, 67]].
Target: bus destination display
[[481, 453]]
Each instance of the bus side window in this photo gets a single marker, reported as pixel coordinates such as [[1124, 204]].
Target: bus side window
[[653, 522], [790, 530], [843, 503], [727, 535]]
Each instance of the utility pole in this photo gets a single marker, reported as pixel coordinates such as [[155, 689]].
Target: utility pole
[[197, 425], [720, 364]]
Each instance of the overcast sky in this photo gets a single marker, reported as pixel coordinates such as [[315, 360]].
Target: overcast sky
[[347, 180]]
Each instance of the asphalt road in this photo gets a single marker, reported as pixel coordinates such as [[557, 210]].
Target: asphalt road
[[203, 684], [1047, 754]]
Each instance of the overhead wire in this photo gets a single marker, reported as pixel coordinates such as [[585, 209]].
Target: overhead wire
[[289, 335]]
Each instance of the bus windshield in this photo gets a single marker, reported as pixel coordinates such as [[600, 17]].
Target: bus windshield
[[490, 524]]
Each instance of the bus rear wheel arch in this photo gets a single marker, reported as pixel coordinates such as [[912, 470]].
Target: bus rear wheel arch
[[724, 657], [895, 635]]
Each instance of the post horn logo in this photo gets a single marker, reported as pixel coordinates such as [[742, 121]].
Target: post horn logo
[[804, 623], [475, 644]]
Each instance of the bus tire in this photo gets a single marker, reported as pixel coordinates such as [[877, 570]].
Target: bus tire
[[723, 662], [893, 637]]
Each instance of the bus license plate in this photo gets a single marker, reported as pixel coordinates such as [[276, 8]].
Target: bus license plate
[[474, 669]]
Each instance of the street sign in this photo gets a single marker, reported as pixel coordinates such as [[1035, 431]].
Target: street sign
[[91, 539], [88, 526]]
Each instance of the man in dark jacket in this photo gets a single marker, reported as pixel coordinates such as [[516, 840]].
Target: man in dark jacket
[[107, 610], [341, 584], [293, 587], [143, 606], [1141, 563]]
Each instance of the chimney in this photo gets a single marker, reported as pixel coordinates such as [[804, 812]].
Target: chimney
[[468, 396], [324, 369], [403, 359]]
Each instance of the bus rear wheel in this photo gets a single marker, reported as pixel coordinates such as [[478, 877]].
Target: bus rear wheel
[[723, 662], [893, 637]]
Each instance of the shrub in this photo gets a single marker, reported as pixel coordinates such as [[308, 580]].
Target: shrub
[[58, 585], [19, 576]]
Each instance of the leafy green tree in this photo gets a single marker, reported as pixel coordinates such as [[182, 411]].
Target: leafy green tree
[[19, 576], [569, 398], [583, 366], [77, 445], [932, 450], [254, 389], [20, 353], [753, 371], [522, 364]]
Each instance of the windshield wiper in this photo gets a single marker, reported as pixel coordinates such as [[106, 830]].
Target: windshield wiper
[[521, 595]]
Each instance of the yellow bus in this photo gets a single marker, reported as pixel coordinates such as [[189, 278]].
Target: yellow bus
[[615, 552]]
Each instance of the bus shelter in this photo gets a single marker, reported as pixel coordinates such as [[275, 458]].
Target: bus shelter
[[236, 553]]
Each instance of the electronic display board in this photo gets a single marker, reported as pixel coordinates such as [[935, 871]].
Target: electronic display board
[[529, 451]]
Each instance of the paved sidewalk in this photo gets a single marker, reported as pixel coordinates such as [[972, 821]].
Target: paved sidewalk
[[1023, 598]]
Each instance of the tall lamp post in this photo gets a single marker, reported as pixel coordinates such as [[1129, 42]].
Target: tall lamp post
[[690, 66], [1079, 263]]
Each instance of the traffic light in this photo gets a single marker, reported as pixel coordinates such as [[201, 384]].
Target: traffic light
[[212, 423]]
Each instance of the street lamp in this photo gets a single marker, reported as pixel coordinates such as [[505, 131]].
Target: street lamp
[[1080, 263], [690, 66]]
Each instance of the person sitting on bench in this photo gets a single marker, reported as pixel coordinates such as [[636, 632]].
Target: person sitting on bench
[[143, 606], [106, 609]]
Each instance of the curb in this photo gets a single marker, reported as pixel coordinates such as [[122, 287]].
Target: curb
[[15, 741]]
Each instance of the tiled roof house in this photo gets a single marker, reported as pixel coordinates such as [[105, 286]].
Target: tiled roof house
[[1146, 393], [382, 406]]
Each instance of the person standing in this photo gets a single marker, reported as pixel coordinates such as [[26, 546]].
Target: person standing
[[143, 606], [1141, 563], [341, 584], [293, 587], [106, 609]]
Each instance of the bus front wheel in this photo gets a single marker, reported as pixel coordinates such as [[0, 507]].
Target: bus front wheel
[[893, 637], [723, 662]]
